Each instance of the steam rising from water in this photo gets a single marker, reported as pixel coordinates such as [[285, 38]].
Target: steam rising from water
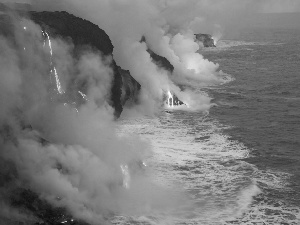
[[126, 22], [69, 153]]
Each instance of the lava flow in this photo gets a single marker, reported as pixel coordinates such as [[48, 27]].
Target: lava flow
[[172, 100]]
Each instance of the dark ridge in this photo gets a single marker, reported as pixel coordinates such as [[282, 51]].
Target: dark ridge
[[206, 39], [159, 60], [82, 32], [116, 91], [130, 88], [177, 101]]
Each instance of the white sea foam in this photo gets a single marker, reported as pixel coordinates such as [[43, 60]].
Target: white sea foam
[[192, 154], [226, 44]]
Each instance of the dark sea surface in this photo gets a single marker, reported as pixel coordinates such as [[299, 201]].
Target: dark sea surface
[[240, 164], [263, 103]]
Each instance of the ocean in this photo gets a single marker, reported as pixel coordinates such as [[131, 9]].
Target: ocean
[[240, 163]]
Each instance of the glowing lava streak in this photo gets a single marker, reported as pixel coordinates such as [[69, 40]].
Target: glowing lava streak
[[58, 85], [59, 88], [126, 176], [50, 45], [83, 96], [170, 99]]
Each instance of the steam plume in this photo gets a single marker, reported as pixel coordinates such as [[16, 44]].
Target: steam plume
[[72, 156]]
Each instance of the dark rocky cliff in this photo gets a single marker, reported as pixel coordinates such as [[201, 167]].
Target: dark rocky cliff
[[159, 60], [84, 34], [206, 40]]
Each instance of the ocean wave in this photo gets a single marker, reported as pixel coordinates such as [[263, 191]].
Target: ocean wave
[[226, 44], [191, 153]]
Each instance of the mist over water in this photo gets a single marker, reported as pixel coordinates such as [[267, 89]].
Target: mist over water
[[205, 162], [239, 164], [261, 104], [68, 151]]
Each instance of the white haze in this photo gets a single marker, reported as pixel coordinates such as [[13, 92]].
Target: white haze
[[126, 22], [168, 26], [80, 168]]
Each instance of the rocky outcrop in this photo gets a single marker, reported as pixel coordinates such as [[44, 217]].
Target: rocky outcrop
[[83, 34], [159, 60], [125, 89], [206, 40], [130, 88]]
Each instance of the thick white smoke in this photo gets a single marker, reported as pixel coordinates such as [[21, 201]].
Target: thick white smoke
[[126, 22], [82, 166], [168, 26], [72, 157]]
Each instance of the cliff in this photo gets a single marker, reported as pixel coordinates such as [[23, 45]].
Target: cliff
[[159, 60], [206, 40], [84, 34]]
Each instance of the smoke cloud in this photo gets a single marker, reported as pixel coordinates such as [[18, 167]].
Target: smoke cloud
[[126, 22], [168, 27], [69, 152]]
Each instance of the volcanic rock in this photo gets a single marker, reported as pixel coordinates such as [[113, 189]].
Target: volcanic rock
[[85, 34], [206, 40], [159, 60]]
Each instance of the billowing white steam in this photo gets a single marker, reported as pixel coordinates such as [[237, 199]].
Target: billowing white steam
[[126, 22], [86, 167]]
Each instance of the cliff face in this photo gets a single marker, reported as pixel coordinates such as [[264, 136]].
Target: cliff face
[[124, 89], [206, 40], [130, 88], [84, 34], [159, 60]]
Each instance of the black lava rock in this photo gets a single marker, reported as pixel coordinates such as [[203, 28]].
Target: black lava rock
[[206, 39]]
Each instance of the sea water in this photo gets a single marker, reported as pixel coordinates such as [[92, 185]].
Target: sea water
[[239, 164]]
